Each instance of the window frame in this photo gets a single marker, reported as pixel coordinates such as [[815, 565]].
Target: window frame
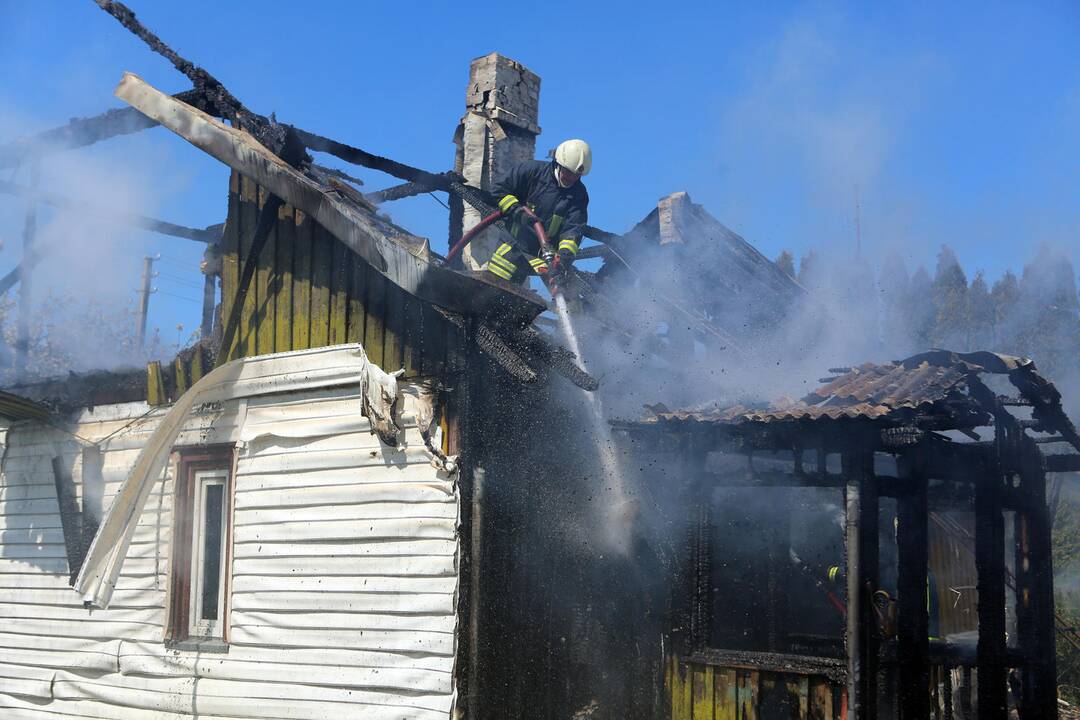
[[197, 469]]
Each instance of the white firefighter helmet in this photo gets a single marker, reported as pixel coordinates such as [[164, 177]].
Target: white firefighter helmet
[[575, 156]]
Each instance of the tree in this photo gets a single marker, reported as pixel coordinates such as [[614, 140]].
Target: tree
[[786, 262], [1049, 317], [980, 335], [949, 299], [1004, 298], [811, 275]]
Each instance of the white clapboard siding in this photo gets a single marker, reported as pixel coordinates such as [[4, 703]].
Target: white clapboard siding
[[303, 658], [345, 549], [345, 602], [344, 570], [329, 583], [223, 667], [321, 495]]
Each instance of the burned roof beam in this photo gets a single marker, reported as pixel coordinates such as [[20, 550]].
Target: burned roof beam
[[397, 192], [220, 101], [217, 100], [402, 258], [60, 202], [80, 132]]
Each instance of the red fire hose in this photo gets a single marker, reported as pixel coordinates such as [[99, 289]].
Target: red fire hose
[[538, 227], [467, 237]]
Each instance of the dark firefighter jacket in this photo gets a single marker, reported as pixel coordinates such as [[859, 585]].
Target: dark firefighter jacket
[[564, 212]]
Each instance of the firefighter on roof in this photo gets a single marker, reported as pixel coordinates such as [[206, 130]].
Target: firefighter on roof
[[554, 192]]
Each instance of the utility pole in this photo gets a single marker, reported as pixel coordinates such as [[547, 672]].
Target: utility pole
[[144, 301], [22, 331]]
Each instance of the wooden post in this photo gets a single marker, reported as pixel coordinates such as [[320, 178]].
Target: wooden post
[[22, 332], [990, 566], [913, 653], [861, 541], [1035, 589]]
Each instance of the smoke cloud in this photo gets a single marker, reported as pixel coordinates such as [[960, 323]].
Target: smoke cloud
[[85, 286]]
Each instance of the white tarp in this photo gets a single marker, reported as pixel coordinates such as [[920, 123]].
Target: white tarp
[[246, 377]]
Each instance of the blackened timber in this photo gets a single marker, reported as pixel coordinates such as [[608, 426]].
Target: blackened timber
[[403, 259], [140, 221], [912, 612], [1034, 580], [990, 566], [397, 192], [208, 88], [861, 545], [80, 132], [771, 662], [356, 156], [1054, 463]]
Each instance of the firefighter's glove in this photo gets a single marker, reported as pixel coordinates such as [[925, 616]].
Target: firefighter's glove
[[519, 213]]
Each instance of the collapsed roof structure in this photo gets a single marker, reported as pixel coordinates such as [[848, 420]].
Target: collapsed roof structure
[[892, 427]]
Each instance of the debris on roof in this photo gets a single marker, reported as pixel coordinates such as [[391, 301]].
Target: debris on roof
[[936, 390]]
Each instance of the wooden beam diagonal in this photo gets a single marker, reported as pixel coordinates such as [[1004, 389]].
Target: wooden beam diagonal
[[403, 259]]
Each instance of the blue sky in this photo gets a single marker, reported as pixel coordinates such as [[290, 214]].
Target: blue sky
[[957, 122]]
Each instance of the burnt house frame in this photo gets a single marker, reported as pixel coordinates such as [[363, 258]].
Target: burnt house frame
[[905, 410]]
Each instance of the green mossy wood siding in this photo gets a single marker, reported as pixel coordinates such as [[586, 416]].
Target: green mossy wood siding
[[309, 290]]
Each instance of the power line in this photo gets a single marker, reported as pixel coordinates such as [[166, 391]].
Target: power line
[[178, 297], [181, 281]]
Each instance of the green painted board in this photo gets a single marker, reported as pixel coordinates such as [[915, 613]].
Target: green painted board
[[303, 239], [283, 272]]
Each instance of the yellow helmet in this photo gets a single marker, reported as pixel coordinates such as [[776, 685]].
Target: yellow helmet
[[575, 156]]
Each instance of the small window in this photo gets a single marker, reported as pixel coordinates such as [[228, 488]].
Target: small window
[[202, 535]]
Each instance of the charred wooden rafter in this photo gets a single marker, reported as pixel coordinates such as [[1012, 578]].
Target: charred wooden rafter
[[403, 259], [209, 235], [207, 87], [80, 132]]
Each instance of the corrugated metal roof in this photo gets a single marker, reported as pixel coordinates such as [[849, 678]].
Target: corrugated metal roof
[[868, 391]]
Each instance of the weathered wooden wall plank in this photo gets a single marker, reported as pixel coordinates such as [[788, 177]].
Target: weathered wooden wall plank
[[375, 324], [393, 333], [726, 702], [321, 258], [355, 320], [310, 290], [821, 700], [265, 289], [230, 249], [703, 697], [681, 688], [301, 317], [339, 292], [249, 218]]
